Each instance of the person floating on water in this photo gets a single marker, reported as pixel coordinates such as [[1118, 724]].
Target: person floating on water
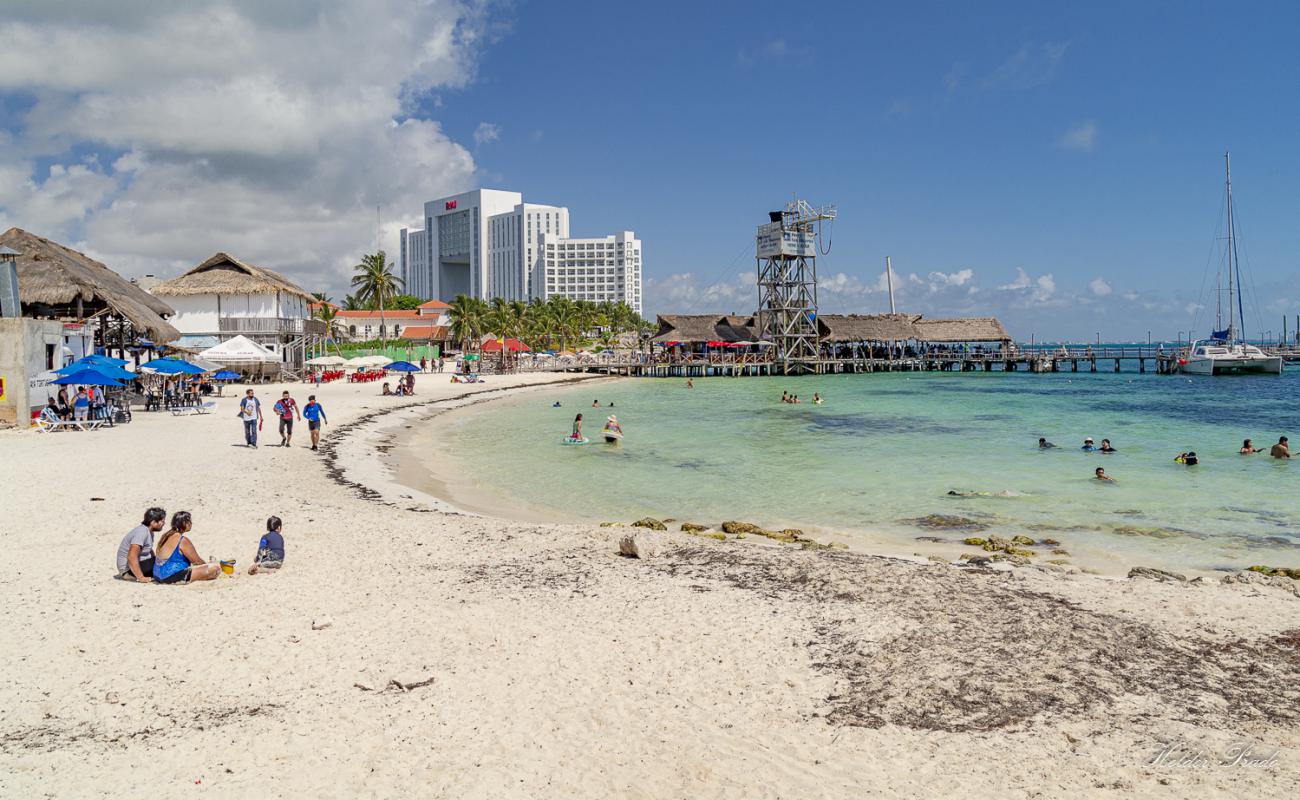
[[1281, 449], [1248, 448], [577, 428], [1087, 445], [817, 399], [556, 404], [1105, 446], [1101, 475], [612, 427], [1043, 444], [595, 404]]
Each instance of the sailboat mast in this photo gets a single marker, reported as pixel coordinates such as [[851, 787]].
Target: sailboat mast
[[1232, 248]]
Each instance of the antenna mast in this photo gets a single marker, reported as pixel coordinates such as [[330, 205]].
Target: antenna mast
[[786, 255], [889, 276]]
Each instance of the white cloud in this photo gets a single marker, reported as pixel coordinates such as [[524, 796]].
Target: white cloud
[[236, 126], [1028, 67], [486, 132], [1081, 138], [1099, 287], [1038, 291], [958, 278]]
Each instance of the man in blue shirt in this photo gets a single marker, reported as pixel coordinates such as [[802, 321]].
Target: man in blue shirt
[[314, 413]]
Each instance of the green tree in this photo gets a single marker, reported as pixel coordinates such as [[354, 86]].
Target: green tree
[[405, 302], [376, 284], [467, 317]]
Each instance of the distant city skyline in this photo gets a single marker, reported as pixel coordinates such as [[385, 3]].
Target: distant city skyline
[[1060, 168]]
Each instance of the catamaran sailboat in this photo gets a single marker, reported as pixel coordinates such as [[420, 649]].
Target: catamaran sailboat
[[1224, 353]]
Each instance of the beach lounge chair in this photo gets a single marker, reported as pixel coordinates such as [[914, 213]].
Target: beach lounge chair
[[185, 411], [47, 422]]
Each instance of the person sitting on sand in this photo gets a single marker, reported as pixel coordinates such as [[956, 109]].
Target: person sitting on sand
[[176, 560], [1043, 444], [270, 550], [1281, 449], [135, 553], [1105, 446], [1087, 445], [1248, 448], [388, 390], [1101, 475]]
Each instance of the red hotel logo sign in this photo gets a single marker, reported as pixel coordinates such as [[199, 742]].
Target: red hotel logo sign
[[450, 205]]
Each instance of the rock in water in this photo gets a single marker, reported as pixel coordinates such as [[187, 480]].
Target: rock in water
[[734, 527], [691, 527], [1154, 574], [651, 523]]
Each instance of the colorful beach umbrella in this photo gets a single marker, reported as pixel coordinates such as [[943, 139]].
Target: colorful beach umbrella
[[95, 358], [512, 345], [226, 375], [402, 366]]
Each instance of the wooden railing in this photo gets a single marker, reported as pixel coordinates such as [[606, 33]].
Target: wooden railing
[[278, 325]]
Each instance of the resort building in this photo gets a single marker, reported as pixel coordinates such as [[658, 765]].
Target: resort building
[[489, 243], [65, 305], [224, 297], [607, 268]]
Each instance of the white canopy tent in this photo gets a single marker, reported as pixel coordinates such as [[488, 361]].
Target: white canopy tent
[[244, 355], [326, 361]]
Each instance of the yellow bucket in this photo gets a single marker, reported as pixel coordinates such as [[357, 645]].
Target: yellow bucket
[[228, 567]]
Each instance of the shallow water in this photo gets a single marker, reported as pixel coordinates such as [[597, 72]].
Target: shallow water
[[884, 450]]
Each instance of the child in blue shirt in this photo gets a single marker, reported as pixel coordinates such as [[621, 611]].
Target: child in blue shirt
[[270, 550]]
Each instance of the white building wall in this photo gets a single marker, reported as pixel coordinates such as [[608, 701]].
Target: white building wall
[[471, 211], [595, 269]]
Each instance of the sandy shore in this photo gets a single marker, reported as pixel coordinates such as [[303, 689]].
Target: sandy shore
[[409, 651]]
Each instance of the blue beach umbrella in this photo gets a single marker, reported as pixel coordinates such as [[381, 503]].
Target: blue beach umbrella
[[172, 366], [402, 366], [95, 359], [117, 373], [87, 377], [226, 375]]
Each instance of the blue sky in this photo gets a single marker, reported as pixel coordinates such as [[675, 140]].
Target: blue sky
[[1059, 167], [1079, 142]]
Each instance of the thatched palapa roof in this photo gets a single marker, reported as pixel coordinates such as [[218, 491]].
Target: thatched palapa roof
[[50, 274], [868, 327], [962, 329], [225, 274], [687, 328]]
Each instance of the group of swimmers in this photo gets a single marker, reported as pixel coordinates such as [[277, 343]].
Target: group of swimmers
[[1188, 458], [786, 397], [173, 558]]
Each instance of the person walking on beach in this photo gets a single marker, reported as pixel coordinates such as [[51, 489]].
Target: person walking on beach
[[1281, 449], [424, 364], [286, 408], [135, 553], [250, 411], [1101, 475], [314, 413]]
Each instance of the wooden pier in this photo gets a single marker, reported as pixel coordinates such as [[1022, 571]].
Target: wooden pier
[[1096, 359]]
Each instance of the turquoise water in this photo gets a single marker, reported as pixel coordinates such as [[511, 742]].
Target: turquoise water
[[885, 449]]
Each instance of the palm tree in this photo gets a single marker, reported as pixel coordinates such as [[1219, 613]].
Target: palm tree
[[375, 283], [351, 303], [466, 318], [327, 314]]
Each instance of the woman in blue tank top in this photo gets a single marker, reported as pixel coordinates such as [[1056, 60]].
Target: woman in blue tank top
[[176, 560]]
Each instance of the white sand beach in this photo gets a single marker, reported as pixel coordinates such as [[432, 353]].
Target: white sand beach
[[409, 650]]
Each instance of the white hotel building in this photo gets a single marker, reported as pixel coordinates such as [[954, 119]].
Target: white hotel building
[[490, 243]]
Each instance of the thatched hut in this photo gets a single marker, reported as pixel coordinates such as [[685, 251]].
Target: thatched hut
[[963, 330], [225, 297], [57, 282], [867, 328], [688, 329]]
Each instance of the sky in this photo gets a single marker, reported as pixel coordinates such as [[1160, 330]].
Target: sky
[[1058, 166]]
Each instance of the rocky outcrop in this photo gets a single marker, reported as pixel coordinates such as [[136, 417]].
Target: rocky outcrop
[[651, 523], [645, 543], [1162, 575], [691, 527], [1253, 577]]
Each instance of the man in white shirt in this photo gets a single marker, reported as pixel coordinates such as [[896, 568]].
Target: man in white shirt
[[135, 553], [250, 411]]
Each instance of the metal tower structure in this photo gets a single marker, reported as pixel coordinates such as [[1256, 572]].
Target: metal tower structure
[[786, 251]]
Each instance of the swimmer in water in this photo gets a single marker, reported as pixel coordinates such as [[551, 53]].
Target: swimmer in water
[[1105, 446], [785, 397], [556, 404], [690, 384], [577, 428], [1087, 445], [817, 399], [595, 404], [1043, 444], [1003, 493], [1189, 458], [1101, 475], [1249, 449]]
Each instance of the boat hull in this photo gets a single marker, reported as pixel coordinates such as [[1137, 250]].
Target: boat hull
[[1267, 365]]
